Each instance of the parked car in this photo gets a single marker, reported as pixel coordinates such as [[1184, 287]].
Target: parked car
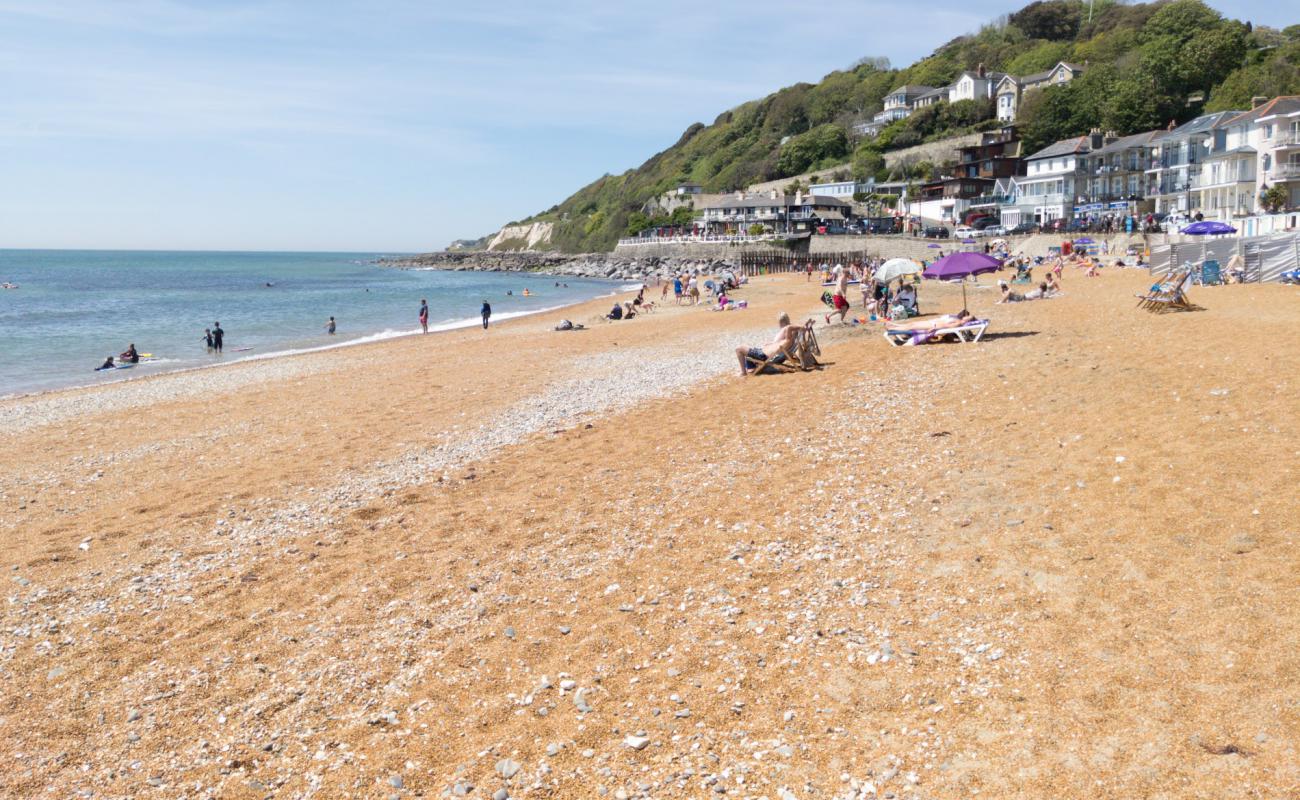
[[936, 232], [983, 223], [995, 230], [1024, 228], [967, 232], [1175, 222]]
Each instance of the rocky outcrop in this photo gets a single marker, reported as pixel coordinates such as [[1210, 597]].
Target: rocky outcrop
[[592, 265], [522, 237]]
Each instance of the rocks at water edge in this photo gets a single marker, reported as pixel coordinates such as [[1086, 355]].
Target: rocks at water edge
[[591, 265]]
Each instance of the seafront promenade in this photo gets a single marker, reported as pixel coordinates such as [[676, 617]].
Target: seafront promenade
[[1059, 562]]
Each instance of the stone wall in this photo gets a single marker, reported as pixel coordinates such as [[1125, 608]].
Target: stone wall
[[934, 152]]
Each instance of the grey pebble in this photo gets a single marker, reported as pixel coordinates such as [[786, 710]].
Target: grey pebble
[[395, 781], [507, 767], [564, 629], [501, 794]]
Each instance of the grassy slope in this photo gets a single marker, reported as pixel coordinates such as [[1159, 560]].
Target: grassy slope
[[744, 145]]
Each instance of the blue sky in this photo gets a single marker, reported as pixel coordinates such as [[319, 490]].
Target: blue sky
[[392, 125]]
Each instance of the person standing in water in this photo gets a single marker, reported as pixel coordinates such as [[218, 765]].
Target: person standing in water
[[218, 335], [486, 311], [424, 315], [207, 338], [330, 326]]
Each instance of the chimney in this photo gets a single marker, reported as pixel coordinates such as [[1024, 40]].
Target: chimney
[[980, 70], [740, 195], [1095, 139], [1257, 101], [1111, 136], [798, 197], [772, 194]]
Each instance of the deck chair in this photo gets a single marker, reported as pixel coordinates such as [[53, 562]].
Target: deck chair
[[1172, 299], [1161, 293], [801, 356], [971, 331], [1211, 274]]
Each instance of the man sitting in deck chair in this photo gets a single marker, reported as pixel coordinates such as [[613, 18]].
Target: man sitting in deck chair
[[757, 359]]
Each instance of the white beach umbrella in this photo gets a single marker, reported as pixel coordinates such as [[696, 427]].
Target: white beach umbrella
[[896, 268]]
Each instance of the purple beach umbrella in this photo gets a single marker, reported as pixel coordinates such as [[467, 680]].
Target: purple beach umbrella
[[959, 266], [933, 245], [1208, 228], [1083, 240]]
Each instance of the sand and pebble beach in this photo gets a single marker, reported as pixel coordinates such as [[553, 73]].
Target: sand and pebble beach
[[525, 563]]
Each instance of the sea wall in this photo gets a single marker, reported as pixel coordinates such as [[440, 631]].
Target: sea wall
[[638, 262]]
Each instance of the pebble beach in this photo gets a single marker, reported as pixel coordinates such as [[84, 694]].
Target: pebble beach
[[1059, 562]]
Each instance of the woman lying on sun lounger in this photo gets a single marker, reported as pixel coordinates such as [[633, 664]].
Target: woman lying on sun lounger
[[946, 321]]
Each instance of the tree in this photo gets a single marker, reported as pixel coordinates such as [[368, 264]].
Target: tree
[[1274, 198], [637, 222], [825, 142], [757, 229], [1057, 20], [867, 161], [682, 215]]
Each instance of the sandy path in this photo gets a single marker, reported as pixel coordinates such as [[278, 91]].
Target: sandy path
[[1058, 563]]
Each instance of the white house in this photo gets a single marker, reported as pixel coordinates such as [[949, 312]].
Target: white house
[[1277, 133], [843, 190], [1008, 91], [977, 85], [1051, 184], [1177, 160]]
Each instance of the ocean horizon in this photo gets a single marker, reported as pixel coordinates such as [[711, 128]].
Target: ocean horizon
[[73, 308]]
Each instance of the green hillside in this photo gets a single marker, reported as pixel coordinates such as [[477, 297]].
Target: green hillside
[[1148, 64]]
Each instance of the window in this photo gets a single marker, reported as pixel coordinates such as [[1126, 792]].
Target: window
[[1268, 131]]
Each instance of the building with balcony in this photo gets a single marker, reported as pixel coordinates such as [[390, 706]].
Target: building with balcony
[[1276, 137], [1116, 178], [781, 213], [1053, 178], [1177, 158], [996, 156]]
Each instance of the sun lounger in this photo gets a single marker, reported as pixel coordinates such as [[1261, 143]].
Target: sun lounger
[[967, 332]]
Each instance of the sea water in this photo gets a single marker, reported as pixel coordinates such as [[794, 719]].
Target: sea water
[[74, 308]]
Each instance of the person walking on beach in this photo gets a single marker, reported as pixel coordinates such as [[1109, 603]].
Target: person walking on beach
[[486, 311], [218, 335], [330, 327], [424, 315], [840, 299]]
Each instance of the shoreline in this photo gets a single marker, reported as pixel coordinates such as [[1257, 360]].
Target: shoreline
[[365, 339]]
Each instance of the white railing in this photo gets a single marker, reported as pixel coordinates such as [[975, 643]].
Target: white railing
[[702, 238], [1286, 170]]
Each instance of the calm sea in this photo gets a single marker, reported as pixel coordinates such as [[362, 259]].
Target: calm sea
[[74, 308]]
